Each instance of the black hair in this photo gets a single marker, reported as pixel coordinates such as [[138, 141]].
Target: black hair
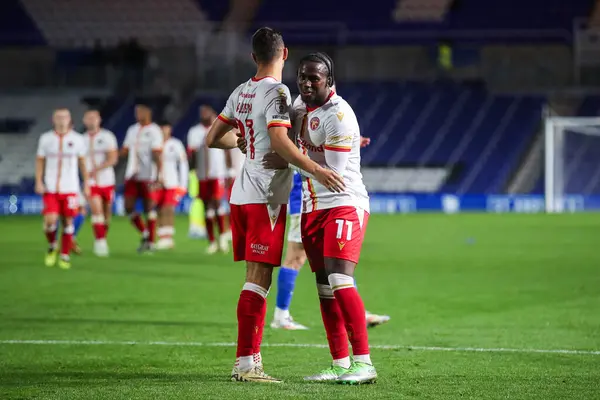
[[322, 58], [164, 122], [266, 44]]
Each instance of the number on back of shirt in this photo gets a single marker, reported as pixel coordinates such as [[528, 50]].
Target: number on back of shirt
[[72, 203], [341, 223]]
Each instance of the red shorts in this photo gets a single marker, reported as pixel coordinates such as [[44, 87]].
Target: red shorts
[[211, 189], [65, 205], [167, 197], [106, 193], [333, 233], [138, 189], [258, 232]]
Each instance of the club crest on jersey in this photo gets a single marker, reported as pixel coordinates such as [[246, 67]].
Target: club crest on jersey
[[70, 144], [314, 123]]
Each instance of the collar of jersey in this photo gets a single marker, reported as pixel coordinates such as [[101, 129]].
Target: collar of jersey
[[311, 109]]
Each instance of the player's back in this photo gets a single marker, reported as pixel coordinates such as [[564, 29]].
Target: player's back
[[173, 154], [210, 163], [254, 107]]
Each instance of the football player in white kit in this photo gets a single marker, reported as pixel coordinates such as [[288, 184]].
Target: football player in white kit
[[60, 159], [102, 155], [234, 159], [174, 186], [142, 146], [211, 170], [259, 108]]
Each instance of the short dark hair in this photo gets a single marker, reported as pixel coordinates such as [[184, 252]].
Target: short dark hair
[[266, 44], [321, 58]]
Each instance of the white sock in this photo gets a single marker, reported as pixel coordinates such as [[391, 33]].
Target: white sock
[[245, 363], [364, 358], [342, 362], [281, 314]]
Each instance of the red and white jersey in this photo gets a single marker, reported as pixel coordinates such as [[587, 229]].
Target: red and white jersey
[[254, 107], [62, 153], [175, 165], [141, 142], [97, 146], [210, 163], [330, 136]]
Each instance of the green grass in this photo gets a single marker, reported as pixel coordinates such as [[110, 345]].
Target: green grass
[[484, 281]]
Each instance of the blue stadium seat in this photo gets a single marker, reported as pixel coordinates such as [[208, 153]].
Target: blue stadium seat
[[16, 26]]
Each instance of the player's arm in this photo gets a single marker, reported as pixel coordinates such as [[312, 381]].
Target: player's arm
[[40, 165], [184, 170], [339, 135], [85, 176], [124, 152], [112, 156], [221, 134], [157, 145]]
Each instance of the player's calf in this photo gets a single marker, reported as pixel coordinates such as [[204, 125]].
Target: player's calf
[[64, 261], [50, 229], [100, 243]]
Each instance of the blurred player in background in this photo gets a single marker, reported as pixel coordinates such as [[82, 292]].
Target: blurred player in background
[[259, 108], [235, 161], [211, 171], [142, 146], [78, 222], [102, 155], [174, 186], [60, 159]]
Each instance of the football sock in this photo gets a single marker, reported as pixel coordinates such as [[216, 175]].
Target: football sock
[[333, 321], [137, 222], [67, 241], [250, 316], [261, 329], [221, 220], [209, 217], [99, 227], [152, 226], [50, 232], [353, 311], [286, 280], [78, 223]]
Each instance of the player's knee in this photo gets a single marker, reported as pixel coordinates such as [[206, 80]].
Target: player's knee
[[338, 266], [322, 277], [69, 228], [259, 274], [210, 213], [221, 210], [50, 224], [324, 291], [152, 215], [340, 281]]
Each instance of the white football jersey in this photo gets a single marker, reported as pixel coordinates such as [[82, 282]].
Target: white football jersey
[[97, 145], [253, 107], [175, 164], [237, 160], [210, 163], [62, 153], [141, 142], [330, 136]]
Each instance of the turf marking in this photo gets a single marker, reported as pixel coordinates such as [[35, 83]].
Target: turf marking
[[300, 345]]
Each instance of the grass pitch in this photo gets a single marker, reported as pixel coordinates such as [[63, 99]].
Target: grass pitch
[[457, 287]]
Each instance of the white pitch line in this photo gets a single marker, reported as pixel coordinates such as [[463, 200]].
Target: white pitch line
[[305, 345]]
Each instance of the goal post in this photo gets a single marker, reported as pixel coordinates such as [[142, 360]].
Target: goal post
[[569, 141]]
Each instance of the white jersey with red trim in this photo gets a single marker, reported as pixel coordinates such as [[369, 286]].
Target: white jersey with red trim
[[330, 136], [254, 107], [175, 164], [210, 163], [97, 146], [62, 153], [142, 140], [237, 161]]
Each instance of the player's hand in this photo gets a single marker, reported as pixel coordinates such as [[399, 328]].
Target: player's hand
[[40, 188], [241, 142], [330, 179], [274, 161], [364, 141]]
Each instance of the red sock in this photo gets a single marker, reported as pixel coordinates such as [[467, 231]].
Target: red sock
[[66, 244], [51, 236], [209, 228], [249, 310], [136, 220], [333, 321], [353, 310], [152, 226], [99, 231], [221, 223], [261, 328]]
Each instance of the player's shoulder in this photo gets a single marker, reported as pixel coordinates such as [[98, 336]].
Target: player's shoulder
[[273, 87], [134, 126], [337, 108], [47, 134], [107, 132], [175, 141]]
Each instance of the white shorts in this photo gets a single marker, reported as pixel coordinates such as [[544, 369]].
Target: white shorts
[[294, 234]]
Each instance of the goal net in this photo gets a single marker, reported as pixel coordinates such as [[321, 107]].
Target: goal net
[[572, 162]]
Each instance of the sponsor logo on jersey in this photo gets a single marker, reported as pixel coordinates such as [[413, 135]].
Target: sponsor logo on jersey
[[314, 123], [340, 116], [341, 245], [259, 248], [310, 147]]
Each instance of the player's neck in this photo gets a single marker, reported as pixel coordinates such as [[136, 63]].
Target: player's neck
[[264, 71], [93, 131], [320, 102], [144, 123], [61, 131]]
